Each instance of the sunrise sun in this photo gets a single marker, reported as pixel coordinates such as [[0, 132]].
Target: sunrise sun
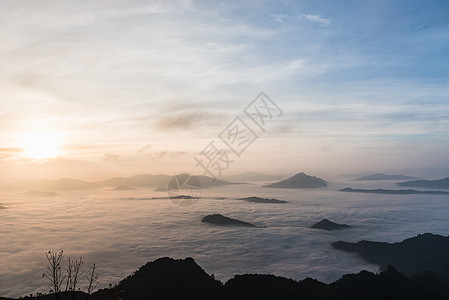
[[41, 145]]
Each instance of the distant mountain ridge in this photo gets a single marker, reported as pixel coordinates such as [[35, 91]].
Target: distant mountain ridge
[[299, 181], [143, 180], [393, 192], [160, 180], [381, 176], [123, 188], [256, 199], [433, 184], [62, 184]]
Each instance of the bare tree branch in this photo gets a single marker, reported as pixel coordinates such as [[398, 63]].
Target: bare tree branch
[[74, 272], [92, 278], [54, 271]]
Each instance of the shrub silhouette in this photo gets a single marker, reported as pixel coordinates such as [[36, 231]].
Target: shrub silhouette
[[73, 272]]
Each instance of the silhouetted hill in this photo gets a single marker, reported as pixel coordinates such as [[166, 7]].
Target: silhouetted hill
[[433, 184], [389, 284], [218, 219], [299, 181], [380, 176], [425, 252], [183, 197], [62, 184], [167, 278], [394, 192], [262, 200], [161, 180], [329, 225], [123, 188], [362, 286], [262, 286]]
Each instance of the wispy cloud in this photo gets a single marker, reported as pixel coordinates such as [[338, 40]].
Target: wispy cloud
[[10, 149], [144, 149], [188, 120], [317, 19], [111, 157]]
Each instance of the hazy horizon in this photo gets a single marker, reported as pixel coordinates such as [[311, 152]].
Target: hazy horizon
[[424, 173]]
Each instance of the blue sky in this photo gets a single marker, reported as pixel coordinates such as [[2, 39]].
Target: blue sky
[[363, 84]]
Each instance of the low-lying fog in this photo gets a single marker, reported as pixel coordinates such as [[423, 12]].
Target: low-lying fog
[[120, 234]]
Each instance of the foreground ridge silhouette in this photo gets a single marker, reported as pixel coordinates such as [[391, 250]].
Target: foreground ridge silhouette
[[168, 278], [413, 256]]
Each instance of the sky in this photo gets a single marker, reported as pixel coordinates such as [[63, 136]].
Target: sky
[[91, 89]]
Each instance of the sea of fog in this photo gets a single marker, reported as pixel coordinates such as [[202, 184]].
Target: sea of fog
[[121, 231]]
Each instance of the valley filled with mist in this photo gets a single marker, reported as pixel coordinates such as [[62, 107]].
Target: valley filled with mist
[[120, 230]]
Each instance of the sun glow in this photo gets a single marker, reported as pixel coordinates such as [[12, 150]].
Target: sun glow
[[41, 145]]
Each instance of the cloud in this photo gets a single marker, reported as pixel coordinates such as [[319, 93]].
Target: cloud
[[280, 18], [326, 148], [111, 157], [120, 234], [187, 121], [10, 149], [144, 149], [172, 154], [9, 152], [317, 19]]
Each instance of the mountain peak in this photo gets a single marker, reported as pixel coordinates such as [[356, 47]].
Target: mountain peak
[[299, 181]]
